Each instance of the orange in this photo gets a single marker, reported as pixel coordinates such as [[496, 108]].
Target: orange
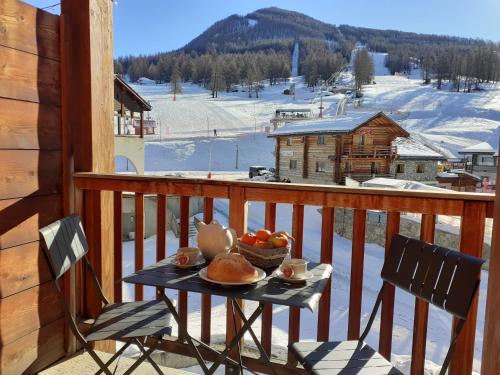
[[248, 238], [263, 234]]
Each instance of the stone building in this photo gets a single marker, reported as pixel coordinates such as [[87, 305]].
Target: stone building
[[359, 146]]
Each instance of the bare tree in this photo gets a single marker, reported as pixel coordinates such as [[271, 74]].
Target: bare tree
[[363, 70]]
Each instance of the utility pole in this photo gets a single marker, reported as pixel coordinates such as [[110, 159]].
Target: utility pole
[[209, 176], [321, 105], [237, 154]]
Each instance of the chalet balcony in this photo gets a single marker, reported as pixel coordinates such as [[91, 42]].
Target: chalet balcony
[[57, 159], [369, 151]]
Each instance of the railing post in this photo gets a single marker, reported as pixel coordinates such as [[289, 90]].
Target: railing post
[[357, 266], [471, 242], [238, 220], [206, 299], [139, 242], [327, 233], [427, 230], [294, 314], [183, 242], [117, 220], [267, 314], [387, 314]]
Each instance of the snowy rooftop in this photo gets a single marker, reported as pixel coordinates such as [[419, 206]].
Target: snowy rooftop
[[340, 124], [392, 183], [483, 147], [409, 147]]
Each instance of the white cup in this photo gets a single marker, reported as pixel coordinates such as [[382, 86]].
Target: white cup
[[193, 253], [299, 266]]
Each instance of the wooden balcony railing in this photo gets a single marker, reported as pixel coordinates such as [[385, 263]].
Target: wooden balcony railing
[[472, 208], [372, 151]]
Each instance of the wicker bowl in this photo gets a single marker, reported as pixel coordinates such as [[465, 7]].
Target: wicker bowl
[[263, 258]]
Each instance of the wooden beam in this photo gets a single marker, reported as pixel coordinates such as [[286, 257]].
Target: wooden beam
[[87, 116], [471, 243], [491, 339]]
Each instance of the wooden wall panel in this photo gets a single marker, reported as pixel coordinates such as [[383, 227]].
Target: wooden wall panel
[[34, 351], [29, 29], [28, 77], [29, 126], [25, 312], [31, 328], [21, 218], [34, 270], [30, 173]]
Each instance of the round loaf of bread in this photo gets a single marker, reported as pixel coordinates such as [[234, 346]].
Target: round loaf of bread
[[232, 267]]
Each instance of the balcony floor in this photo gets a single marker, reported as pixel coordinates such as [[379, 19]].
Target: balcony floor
[[82, 363]]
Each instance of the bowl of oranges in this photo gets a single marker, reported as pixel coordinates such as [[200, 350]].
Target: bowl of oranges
[[264, 248]]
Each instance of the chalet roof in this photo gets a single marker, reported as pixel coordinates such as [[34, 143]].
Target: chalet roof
[[335, 125], [132, 101], [478, 148], [412, 148], [456, 173]]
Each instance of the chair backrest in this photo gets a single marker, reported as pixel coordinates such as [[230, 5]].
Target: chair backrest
[[446, 278], [65, 244]]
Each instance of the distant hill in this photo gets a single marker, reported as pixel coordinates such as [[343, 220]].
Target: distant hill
[[267, 27]]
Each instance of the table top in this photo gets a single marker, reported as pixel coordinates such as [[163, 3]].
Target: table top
[[166, 275]]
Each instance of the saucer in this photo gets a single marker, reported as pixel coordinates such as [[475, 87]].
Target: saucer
[[302, 278], [198, 263]]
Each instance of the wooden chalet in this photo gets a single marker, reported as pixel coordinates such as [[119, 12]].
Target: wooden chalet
[[459, 180], [57, 159], [128, 103], [359, 146]]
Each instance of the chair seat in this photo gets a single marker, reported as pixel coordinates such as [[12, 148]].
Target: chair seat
[[131, 319], [341, 357]]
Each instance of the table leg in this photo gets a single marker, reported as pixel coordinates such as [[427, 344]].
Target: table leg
[[234, 341], [263, 353], [183, 330]]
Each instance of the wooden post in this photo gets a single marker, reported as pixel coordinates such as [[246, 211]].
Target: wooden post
[[238, 220], [491, 338], [142, 124], [87, 83]]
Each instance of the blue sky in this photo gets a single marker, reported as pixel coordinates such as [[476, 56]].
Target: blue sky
[[149, 26]]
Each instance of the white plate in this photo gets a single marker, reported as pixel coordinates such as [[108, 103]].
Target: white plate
[[198, 263], [261, 275], [301, 279]]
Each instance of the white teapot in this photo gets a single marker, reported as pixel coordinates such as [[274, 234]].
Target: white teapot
[[214, 238]]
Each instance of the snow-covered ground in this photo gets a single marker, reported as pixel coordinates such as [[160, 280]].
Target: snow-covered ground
[[439, 321], [450, 120]]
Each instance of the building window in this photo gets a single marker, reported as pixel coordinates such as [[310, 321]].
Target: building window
[[420, 168], [289, 141], [320, 166], [293, 164], [347, 167], [400, 168], [321, 139]]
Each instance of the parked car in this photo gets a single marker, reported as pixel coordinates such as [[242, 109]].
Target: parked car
[[258, 170]]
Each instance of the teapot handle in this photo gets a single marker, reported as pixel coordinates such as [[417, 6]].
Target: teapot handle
[[233, 234]]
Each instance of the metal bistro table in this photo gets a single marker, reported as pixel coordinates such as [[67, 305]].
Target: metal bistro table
[[165, 275]]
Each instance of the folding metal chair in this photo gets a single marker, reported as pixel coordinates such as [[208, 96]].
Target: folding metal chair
[[65, 244], [443, 277]]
